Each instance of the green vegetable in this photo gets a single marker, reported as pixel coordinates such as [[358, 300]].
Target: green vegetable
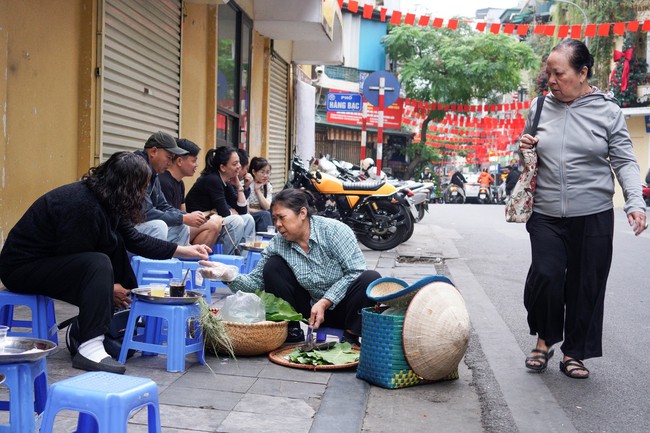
[[340, 354], [277, 309]]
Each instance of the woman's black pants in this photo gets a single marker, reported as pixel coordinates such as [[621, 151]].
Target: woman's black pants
[[280, 280], [565, 288]]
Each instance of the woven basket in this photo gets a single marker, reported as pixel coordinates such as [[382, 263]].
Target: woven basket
[[250, 339], [382, 361], [398, 293]]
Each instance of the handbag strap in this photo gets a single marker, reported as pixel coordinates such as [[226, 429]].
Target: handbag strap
[[538, 112]]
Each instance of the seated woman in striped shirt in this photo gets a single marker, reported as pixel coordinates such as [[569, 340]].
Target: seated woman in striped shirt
[[315, 265]]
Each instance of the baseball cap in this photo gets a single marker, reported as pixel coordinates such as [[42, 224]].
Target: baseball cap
[[162, 140]]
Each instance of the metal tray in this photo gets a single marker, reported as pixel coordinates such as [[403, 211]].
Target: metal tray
[[21, 349], [266, 234], [144, 294]]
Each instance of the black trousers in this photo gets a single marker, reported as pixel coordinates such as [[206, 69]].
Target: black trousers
[[82, 279], [280, 280], [565, 288], [262, 219]]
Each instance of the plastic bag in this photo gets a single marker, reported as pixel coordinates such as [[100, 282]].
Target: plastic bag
[[243, 307], [218, 271]]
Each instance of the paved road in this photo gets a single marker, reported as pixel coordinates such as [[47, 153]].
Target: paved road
[[490, 266]]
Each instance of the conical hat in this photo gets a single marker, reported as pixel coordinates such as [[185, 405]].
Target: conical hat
[[436, 330]]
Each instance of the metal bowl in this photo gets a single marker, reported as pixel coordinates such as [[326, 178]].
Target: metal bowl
[[144, 294], [21, 349]]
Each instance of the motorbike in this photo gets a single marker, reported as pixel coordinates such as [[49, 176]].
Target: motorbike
[[375, 211], [417, 195], [455, 194], [484, 195]]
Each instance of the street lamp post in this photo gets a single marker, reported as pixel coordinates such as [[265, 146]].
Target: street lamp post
[[584, 15]]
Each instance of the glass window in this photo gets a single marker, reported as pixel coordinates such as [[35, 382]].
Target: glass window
[[233, 76]]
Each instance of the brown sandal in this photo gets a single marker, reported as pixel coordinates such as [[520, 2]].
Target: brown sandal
[[572, 372]]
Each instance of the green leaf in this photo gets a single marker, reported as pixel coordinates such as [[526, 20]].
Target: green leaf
[[340, 354], [277, 309]]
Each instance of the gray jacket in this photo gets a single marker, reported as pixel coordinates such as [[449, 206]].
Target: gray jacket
[[579, 147]]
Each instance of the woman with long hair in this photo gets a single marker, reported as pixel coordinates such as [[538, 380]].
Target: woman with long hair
[[71, 244], [219, 189], [259, 202]]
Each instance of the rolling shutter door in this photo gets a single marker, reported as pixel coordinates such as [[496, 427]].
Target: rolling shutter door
[[140, 71], [278, 121]]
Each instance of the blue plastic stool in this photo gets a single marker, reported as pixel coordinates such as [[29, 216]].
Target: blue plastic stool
[[322, 333], [148, 271], [104, 402], [27, 383], [251, 261], [152, 340], [43, 321]]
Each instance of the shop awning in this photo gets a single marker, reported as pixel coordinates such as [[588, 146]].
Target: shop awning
[[314, 26]]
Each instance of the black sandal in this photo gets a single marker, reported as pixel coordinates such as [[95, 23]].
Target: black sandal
[[578, 366], [542, 359]]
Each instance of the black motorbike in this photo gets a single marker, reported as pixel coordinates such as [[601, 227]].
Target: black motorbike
[[375, 211]]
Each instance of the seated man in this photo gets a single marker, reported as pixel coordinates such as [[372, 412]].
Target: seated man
[[162, 220], [171, 183]]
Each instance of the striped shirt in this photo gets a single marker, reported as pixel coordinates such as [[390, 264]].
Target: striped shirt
[[333, 262]]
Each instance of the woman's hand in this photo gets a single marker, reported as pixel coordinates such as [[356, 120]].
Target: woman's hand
[[638, 222], [121, 296], [193, 251], [317, 316], [527, 141]]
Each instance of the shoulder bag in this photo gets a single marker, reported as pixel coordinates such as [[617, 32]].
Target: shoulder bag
[[519, 206]]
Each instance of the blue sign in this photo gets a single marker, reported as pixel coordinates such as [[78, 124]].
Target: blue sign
[[647, 123], [371, 88], [344, 102]]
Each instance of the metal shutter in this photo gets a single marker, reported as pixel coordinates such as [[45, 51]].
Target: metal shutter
[[278, 121], [140, 71]]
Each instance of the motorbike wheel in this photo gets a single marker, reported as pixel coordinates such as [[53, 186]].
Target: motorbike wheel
[[409, 233], [421, 211], [387, 237]]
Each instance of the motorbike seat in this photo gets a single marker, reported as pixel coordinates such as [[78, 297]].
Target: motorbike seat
[[363, 185]]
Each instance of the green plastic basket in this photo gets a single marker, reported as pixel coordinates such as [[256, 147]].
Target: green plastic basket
[[382, 361]]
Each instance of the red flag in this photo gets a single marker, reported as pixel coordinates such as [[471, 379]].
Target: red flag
[[396, 18], [367, 11], [382, 14], [646, 26], [480, 26], [563, 31], [353, 6], [437, 22], [409, 19], [576, 32], [453, 24], [539, 30], [619, 28], [509, 29], [341, 4], [590, 31], [495, 27], [550, 30], [522, 29], [603, 29], [633, 26], [424, 21]]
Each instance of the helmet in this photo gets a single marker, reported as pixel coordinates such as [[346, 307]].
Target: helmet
[[367, 163], [515, 166]]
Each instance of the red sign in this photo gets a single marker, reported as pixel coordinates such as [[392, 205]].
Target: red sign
[[392, 116]]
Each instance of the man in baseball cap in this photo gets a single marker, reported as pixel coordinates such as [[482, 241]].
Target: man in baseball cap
[[162, 140], [162, 220]]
